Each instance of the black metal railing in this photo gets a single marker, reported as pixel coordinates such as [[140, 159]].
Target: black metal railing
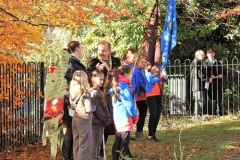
[[21, 103], [180, 99]]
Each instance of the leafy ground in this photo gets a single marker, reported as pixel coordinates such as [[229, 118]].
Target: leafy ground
[[207, 138]]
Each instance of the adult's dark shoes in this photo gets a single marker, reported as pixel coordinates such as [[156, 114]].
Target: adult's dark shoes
[[152, 139], [132, 139], [68, 147]]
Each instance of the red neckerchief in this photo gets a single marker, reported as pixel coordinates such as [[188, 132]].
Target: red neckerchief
[[123, 79], [130, 63]]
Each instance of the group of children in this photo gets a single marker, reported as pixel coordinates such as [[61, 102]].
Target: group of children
[[147, 90], [123, 87]]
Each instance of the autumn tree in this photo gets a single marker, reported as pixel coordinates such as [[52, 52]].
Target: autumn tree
[[22, 27], [122, 32], [23, 22]]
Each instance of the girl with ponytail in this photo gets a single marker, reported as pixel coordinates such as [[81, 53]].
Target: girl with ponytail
[[124, 111]]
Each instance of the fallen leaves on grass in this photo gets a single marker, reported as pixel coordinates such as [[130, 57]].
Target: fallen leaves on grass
[[33, 151]]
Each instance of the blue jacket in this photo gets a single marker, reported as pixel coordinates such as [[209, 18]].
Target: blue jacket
[[139, 82], [151, 81], [124, 110]]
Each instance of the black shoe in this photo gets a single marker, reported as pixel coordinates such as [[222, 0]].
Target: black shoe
[[153, 139], [133, 139], [68, 147]]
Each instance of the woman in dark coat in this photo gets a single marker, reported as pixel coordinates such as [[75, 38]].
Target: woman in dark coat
[[75, 49]]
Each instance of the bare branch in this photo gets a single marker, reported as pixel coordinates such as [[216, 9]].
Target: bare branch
[[18, 19]]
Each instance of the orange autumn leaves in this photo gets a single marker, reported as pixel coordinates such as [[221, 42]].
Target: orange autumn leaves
[[23, 22], [21, 26], [15, 84], [229, 12]]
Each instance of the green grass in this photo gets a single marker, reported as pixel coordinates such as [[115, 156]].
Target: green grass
[[205, 142]]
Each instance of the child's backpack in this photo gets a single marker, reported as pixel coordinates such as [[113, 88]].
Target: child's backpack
[[74, 102]]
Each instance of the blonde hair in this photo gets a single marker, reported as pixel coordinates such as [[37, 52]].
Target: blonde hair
[[139, 58], [79, 84]]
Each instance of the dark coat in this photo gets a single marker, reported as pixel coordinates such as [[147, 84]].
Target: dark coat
[[199, 72], [215, 88], [74, 65], [92, 64]]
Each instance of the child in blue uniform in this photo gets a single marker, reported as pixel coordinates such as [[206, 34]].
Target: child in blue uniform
[[124, 112]]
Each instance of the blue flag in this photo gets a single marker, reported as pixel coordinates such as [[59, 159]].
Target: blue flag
[[169, 34]]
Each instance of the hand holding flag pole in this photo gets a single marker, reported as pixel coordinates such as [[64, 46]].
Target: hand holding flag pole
[[169, 38]]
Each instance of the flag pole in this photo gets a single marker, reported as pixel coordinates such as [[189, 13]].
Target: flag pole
[[148, 42], [104, 149], [169, 36]]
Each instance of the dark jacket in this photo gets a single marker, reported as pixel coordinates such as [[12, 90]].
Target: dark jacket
[[215, 88], [74, 65], [101, 114], [92, 64], [198, 75]]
